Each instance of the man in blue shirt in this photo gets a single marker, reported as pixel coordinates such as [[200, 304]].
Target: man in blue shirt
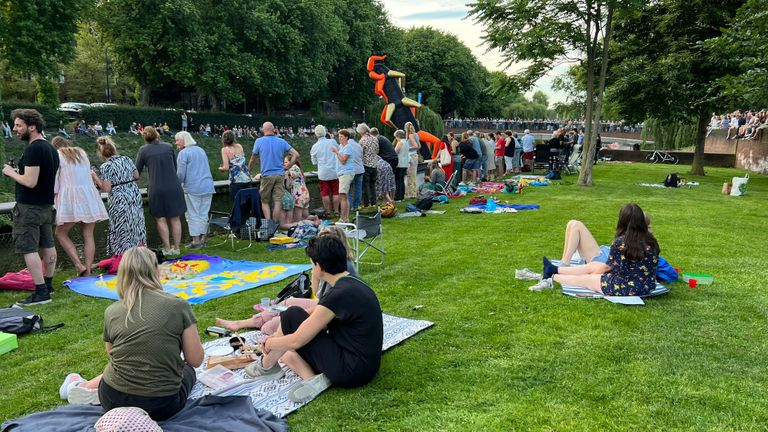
[[271, 150], [528, 150], [480, 149]]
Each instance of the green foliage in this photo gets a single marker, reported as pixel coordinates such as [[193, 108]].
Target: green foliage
[[669, 135], [50, 115], [17, 88], [123, 116], [47, 92], [428, 120]]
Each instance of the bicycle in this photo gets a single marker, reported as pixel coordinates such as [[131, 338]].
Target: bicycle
[[662, 156]]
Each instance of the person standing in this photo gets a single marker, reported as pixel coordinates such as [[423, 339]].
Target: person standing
[[483, 152], [233, 162], [325, 159], [194, 173], [357, 162], [414, 144], [345, 169], [402, 148], [166, 197], [77, 201], [117, 176], [184, 122], [528, 142], [370, 146], [33, 214], [271, 150], [386, 149]]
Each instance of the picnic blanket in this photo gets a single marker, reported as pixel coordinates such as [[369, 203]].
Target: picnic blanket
[[500, 208], [272, 395], [299, 244], [661, 185], [198, 278], [634, 300], [230, 414]]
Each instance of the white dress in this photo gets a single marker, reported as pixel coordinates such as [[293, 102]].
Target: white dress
[[77, 199]]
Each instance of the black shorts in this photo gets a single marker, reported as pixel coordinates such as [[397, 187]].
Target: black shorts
[[159, 408], [325, 356], [33, 227]]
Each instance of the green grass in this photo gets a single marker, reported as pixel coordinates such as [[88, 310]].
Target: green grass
[[500, 357]]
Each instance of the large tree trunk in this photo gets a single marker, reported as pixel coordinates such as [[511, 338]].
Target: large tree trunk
[[585, 174], [215, 103], [144, 90], [701, 136]]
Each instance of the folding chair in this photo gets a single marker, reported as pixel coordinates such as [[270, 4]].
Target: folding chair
[[448, 188], [365, 235], [541, 157], [242, 222]]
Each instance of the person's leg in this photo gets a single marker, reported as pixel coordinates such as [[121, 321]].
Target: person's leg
[[327, 204], [343, 208], [89, 246], [399, 183], [578, 238], [588, 281], [256, 321], [175, 222], [297, 364], [162, 231], [593, 268], [358, 196], [62, 235]]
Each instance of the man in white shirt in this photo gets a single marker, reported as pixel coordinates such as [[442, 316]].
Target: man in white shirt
[[324, 158]]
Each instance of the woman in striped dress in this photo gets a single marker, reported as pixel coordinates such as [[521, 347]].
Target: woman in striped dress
[[118, 175]]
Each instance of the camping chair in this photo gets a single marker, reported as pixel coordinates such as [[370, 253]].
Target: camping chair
[[541, 157], [365, 235], [564, 158], [242, 222], [448, 188]]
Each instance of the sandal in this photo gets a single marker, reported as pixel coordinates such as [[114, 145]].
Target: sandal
[[308, 389]]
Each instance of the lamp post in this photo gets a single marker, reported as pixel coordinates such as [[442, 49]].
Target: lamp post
[[107, 64]]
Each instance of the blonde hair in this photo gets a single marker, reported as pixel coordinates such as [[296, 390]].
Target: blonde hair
[[400, 134], [73, 155], [464, 136], [334, 231], [137, 273], [409, 129], [107, 147], [186, 137]]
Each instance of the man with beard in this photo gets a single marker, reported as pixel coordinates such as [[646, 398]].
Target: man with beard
[[33, 215]]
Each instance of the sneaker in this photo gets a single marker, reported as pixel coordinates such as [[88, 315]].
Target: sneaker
[[193, 246], [308, 389], [542, 285], [79, 395], [527, 274], [70, 381], [256, 370], [175, 252], [35, 299]]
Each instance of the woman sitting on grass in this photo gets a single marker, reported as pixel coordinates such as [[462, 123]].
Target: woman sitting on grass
[[269, 322], [338, 342], [145, 333], [631, 266]]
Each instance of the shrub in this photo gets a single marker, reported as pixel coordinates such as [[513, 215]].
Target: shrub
[[123, 116], [51, 116]]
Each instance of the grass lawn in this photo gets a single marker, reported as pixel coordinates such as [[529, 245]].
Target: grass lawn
[[499, 356]]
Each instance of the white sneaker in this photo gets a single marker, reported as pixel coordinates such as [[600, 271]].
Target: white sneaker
[[70, 381], [308, 389], [542, 285], [79, 395], [527, 274]]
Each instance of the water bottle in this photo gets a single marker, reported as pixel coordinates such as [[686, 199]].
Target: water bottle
[[490, 205]]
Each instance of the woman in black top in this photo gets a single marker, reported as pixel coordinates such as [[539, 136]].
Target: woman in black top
[[338, 342]]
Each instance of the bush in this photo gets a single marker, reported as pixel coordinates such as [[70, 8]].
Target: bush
[[51, 116], [123, 116], [428, 120]]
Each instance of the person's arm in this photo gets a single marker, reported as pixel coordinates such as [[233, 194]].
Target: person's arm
[[140, 161], [343, 158], [108, 347], [294, 156], [313, 154], [103, 185], [252, 161], [191, 346], [28, 179], [398, 146], [319, 319], [181, 167], [224, 161]]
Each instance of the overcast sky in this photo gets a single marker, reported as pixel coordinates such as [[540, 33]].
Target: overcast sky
[[449, 16]]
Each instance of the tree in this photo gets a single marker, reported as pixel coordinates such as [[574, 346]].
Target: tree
[[36, 37], [663, 68], [444, 70], [547, 33]]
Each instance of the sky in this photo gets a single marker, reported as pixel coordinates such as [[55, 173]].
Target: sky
[[450, 17]]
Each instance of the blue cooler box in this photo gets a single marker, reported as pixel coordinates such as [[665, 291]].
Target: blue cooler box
[[8, 342]]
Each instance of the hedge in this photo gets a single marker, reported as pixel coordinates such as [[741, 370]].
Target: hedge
[[50, 115], [123, 116]]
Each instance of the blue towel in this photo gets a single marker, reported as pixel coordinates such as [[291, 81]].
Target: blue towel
[[513, 206]]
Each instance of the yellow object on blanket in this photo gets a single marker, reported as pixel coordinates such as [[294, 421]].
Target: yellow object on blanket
[[281, 239]]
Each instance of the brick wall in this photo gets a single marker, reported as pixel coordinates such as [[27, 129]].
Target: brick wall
[[753, 155]]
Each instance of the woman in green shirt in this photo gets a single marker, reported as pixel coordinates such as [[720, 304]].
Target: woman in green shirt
[[145, 333]]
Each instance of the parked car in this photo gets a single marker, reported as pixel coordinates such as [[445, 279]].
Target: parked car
[[102, 104], [72, 109]]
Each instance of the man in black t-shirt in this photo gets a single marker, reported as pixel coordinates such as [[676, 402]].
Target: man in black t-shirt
[[338, 342], [386, 149], [33, 215]]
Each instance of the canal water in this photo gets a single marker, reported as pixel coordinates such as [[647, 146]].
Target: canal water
[[11, 262]]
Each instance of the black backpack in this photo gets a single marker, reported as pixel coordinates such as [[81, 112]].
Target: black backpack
[[671, 180], [424, 204], [18, 321], [299, 288]]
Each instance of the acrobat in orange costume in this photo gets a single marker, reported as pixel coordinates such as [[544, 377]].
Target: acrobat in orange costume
[[399, 109]]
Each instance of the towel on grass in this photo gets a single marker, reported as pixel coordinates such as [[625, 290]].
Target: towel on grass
[[222, 414]]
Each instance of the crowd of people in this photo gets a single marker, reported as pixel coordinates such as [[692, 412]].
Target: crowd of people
[[548, 125], [748, 125]]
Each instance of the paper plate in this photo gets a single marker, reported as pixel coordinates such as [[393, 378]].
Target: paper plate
[[219, 350]]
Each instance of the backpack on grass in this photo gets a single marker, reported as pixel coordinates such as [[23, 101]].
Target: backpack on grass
[[299, 288], [19, 321]]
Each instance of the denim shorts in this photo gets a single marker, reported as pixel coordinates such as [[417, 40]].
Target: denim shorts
[[472, 164], [603, 257]]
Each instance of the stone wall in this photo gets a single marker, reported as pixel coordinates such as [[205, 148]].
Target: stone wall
[[686, 158], [753, 155], [716, 143]]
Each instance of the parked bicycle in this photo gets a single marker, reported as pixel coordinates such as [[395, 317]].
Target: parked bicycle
[[663, 157]]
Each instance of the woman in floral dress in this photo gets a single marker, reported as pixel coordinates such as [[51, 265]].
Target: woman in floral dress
[[299, 191]]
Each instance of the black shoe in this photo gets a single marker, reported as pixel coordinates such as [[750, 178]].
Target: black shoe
[[50, 290], [35, 299]]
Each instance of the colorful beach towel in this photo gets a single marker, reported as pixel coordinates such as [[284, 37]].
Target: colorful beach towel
[[583, 292], [500, 208], [272, 395], [198, 278]]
